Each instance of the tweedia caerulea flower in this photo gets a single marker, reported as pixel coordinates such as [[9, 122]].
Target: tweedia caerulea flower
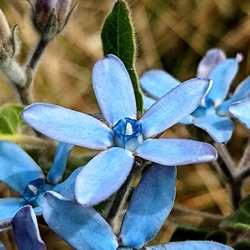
[[153, 198], [21, 173], [125, 137], [208, 115]]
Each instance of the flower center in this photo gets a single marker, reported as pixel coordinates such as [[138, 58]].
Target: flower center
[[33, 190], [205, 108], [128, 134]]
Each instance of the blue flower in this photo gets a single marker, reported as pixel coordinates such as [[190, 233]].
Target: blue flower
[[150, 205], [122, 137], [210, 114], [21, 173]]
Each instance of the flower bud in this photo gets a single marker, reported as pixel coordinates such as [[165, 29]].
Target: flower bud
[[50, 16], [7, 46]]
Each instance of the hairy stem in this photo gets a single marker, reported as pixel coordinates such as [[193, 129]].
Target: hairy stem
[[38, 52], [227, 168], [121, 195]]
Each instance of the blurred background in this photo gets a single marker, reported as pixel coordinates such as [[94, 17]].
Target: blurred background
[[172, 35]]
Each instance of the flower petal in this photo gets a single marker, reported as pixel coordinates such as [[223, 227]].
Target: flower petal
[[191, 244], [67, 188], [219, 128], [147, 102], [103, 175], [222, 76], [176, 151], [212, 58], [172, 107], [240, 110], [2, 247], [113, 89], [157, 83], [149, 207], [26, 230], [68, 126], [58, 167], [17, 168], [242, 90], [9, 207], [81, 227]]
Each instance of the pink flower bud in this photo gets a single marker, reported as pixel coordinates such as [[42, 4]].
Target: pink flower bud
[[50, 16]]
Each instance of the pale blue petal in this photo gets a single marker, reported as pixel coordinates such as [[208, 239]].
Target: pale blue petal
[[242, 91], [67, 188], [17, 168], [176, 151], [174, 106], [113, 89], [2, 247], [190, 244], [26, 230], [68, 126], [147, 102], [157, 83], [103, 175], [240, 110], [9, 207], [58, 167], [81, 227], [219, 128], [222, 76], [212, 58], [151, 203]]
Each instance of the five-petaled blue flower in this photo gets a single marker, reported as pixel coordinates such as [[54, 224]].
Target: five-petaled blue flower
[[21, 173], [210, 114], [124, 137]]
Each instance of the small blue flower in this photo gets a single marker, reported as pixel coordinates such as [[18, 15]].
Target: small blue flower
[[21, 173], [150, 205], [208, 115], [125, 137]]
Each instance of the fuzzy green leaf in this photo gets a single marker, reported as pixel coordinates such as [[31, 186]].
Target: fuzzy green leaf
[[240, 219], [10, 119], [118, 39]]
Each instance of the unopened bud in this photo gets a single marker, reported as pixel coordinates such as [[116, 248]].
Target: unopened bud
[[5, 32], [8, 41], [50, 16]]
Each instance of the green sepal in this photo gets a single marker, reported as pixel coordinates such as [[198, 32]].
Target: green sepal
[[10, 119], [118, 39], [240, 219]]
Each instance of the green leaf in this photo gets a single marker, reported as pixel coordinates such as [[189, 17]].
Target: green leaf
[[10, 119], [240, 219], [118, 39]]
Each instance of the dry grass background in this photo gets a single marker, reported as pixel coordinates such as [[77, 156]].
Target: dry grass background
[[172, 35]]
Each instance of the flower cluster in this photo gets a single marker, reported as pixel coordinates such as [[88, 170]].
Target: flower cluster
[[130, 143], [211, 114]]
